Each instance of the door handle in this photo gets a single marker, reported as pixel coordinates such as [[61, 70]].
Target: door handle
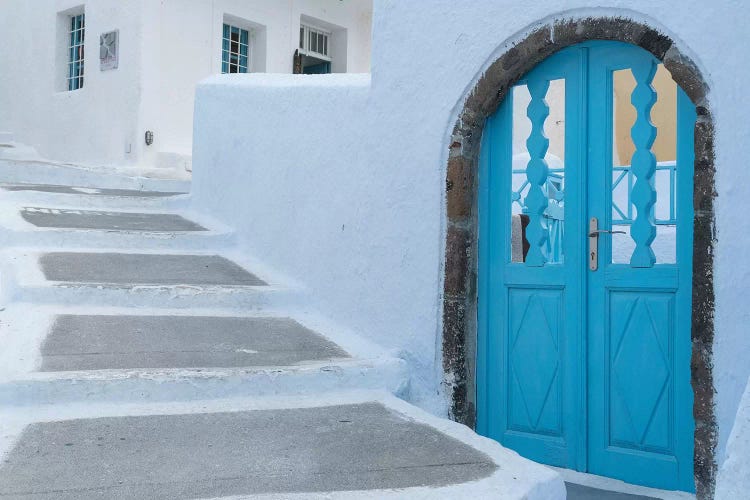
[[594, 233], [597, 232]]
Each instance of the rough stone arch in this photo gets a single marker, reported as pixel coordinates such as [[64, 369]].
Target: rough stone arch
[[460, 284]]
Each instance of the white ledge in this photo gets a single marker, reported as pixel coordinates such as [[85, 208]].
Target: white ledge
[[283, 80]]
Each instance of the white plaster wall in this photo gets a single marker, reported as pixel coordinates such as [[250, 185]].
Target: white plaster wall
[[734, 476], [190, 33], [353, 206], [90, 125], [166, 47]]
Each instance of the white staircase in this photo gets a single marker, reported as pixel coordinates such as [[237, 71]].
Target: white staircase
[[127, 317]]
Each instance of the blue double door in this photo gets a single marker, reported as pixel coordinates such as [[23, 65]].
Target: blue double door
[[585, 268]]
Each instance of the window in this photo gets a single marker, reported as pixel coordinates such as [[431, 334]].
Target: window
[[235, 49], [314, 41], [75, 51]]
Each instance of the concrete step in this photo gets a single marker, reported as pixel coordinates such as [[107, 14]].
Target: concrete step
[[137, 280], [133, 269], [350, 445], [54, 356], [57, 218], [126, 342], [74, 228]]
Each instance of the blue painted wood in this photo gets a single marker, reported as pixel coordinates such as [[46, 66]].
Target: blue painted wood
[[640, 399], [580, 369], [683, 349], [528, 393], [537, 169], [322, 68], [643, 98]]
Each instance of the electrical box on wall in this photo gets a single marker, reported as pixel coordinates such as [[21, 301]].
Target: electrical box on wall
[[109, 48]]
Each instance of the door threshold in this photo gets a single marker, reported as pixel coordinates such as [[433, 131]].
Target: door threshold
[[620, 490]]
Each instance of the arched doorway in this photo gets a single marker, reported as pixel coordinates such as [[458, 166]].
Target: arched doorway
[[585, 267], [462, 189]]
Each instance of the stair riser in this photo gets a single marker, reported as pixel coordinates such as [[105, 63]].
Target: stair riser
[[171, 297], [96, 202], [46, 173], [389, 375], [53, 239]]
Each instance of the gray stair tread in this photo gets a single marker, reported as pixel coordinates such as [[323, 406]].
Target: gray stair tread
[[130, 342], [51, 188], [122, 221], [145, 269], [581, 492], [334, 448]]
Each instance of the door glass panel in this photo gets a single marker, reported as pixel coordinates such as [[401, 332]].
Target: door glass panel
[[664, 213], [554, 187]]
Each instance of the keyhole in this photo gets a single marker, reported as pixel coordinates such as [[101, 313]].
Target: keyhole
[[592, 256]]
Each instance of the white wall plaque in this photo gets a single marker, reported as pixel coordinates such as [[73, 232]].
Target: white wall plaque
[[109, 50]]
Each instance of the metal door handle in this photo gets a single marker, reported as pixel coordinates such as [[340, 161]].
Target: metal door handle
[[594, 233], [608, 231]]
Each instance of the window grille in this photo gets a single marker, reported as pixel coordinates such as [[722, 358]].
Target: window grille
[[75, 52], [235, 50], [314, 41]]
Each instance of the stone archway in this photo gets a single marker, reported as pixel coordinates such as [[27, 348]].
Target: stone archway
[[460, 285]]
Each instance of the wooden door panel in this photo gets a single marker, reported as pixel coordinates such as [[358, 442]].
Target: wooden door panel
[[640, 371]]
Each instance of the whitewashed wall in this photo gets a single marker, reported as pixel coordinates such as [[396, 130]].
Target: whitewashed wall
[[189, 36], [354, 206], [734, 476], [88, 125], [166, 47]]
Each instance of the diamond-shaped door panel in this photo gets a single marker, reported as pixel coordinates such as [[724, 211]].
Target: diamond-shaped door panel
[[534, 363], [641, 382]]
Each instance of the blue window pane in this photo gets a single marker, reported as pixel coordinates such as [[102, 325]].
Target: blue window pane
[[235, 51], [76, 52]]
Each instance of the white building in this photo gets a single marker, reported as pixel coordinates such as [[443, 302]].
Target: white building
[[389, 197], [98, 111]]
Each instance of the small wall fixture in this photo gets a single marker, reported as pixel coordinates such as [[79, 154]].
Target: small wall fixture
[[149, 138]]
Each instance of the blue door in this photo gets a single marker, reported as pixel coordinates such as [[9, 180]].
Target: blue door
[[585, 262]]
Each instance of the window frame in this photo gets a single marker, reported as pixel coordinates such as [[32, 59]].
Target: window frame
[[227, 53], [306, 47], [75, 44]]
